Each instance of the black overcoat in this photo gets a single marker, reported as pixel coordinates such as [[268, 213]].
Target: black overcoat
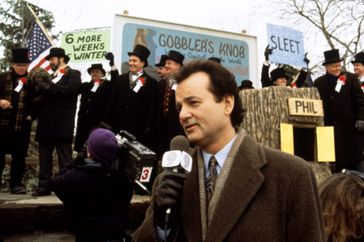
[[58, 108], [168, 125], [342, 110], [8, 140], [135, 112], [97, 201], [92, 106]]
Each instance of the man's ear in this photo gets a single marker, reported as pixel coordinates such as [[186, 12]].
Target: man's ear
[[229, 102]]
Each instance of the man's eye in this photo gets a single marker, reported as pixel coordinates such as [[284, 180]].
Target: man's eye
[[194, 103]]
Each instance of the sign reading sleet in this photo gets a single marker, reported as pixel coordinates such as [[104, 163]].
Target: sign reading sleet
[[287, 45], [305, 107], [91, 45], [234, 54]]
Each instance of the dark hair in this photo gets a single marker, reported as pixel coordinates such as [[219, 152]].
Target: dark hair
[[342, 197], [222, 83]]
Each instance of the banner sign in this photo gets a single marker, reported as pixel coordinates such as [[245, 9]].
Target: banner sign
[[287, 45], [234, 53], [86, 46]]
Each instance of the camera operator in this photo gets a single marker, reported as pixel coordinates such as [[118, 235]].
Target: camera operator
[[95, 195]]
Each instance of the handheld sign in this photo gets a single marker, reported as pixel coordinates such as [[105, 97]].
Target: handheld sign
[[287, 45]]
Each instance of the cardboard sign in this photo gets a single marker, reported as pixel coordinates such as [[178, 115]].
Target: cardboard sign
[[287, 45], [88, 45]]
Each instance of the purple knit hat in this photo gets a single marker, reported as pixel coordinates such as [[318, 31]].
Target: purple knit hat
[[102, 145]]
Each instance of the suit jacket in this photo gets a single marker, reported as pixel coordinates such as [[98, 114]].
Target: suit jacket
[[58, 108], [135, 112], [341, 111], [261, 194]]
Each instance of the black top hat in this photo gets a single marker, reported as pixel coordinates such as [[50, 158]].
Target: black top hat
[[142, 52], [97, 66], [278, 73], [332, 56], [176, 56], [215, 59], [358, 58], [58, 52], [20, 55], [162, 61], [246, 84]]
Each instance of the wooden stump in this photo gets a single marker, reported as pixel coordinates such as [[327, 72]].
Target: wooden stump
[[267, 108]]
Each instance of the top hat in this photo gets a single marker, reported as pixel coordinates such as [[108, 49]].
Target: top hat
[[162, 61], [175, 56], [20, 55], [215, 59], [58, 52], [142, 52], [332, 56], [96, 66], [358, 58], [278, 73], [246, 84]]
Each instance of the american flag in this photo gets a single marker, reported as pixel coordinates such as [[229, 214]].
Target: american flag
[[39, 45]]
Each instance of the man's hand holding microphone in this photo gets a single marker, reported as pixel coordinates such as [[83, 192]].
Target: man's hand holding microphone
[[168, 194]]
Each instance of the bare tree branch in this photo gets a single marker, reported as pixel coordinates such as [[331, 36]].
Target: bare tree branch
[[339, 21]]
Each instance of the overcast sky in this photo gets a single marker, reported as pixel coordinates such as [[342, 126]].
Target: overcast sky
[[228, 15]]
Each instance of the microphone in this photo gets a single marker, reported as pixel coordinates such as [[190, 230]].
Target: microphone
[[177, 159]]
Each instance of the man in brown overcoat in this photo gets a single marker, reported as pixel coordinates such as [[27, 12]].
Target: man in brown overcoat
[[237, 189]]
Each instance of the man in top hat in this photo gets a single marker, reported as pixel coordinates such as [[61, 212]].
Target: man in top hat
[[169, 125], [246, 84], [16, 93], [132, 105], [215, 59], [278, 77], [343, 102], [161, 69], [56, 117], [358, 63], [94, 96]]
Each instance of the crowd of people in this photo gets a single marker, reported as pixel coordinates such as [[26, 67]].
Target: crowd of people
[[233, 178]]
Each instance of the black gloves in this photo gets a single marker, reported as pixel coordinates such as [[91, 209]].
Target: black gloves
[[359, 125], [110, 57], [267, 52], [43, 85], [168, 194], [306, 60]]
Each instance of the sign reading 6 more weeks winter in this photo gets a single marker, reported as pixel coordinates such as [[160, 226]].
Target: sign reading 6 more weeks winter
[[305, 107], [287, 45], [87, 45]]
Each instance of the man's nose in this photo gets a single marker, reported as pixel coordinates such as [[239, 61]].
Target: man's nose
[[184, 113]]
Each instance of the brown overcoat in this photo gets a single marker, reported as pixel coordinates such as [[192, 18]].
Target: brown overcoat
[[261, 194]]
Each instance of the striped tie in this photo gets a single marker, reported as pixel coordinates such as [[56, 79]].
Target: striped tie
[[211, 179]]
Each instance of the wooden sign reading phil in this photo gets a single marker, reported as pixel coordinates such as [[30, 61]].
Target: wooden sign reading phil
[[305, 107]]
